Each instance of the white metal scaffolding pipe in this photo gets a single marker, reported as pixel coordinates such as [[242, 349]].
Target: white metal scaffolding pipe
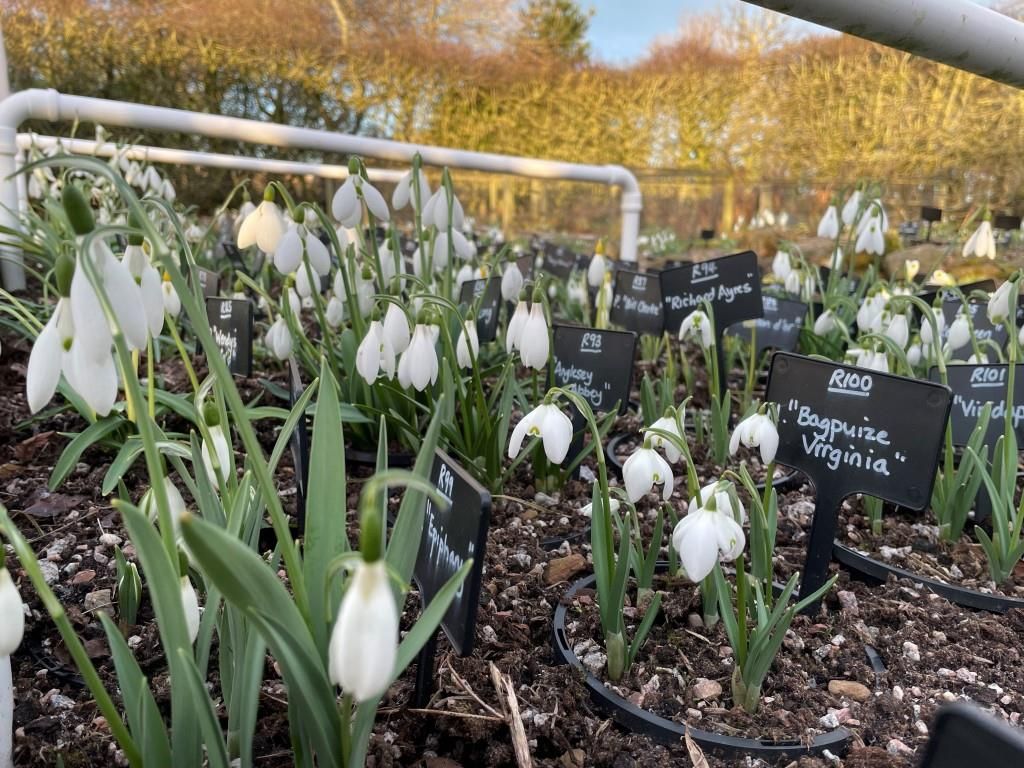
[[960, 33], [52, 106], [166, 156]]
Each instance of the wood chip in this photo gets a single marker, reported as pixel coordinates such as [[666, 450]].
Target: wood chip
[[510, 706]]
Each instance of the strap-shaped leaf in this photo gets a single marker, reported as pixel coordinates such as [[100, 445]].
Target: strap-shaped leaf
[[81, 442]]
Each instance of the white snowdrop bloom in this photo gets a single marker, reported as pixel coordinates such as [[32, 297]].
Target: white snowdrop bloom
[[365, 291], [154, 181], [978, 359], [194, 233], [874, 212], [464, 275], [12, 615], [576, 291], [1020, 336], [511, 282], [335, 312], [302, 284], [826, 323], [264, 227], [435, 211], [534, 343], [875, 361], [869, 314], [829, 224], [959, 333], [911, 268], [898, 330], [294, 302], [375, 354], [756, 431], [468, 347], [666, 424], [598, 266], [982, 243], [49, 356], [364, 640], [190, 602], [871, 239], [298, 241], [244, 210], [348, 202], [94, 378], [462, 247], [547, 422], [405, 194], [587, 510], [782, 265], [388, 266], [851, 208], [279, 339], [124, 295], [927, 336], [999, 304], [338, 285], [514, 333], [837, 259], [148, 279], [396, 328], [644, 469], [914, 354], [222, 450], [418, 366], [709, 532], [697, 326], [171, 300]]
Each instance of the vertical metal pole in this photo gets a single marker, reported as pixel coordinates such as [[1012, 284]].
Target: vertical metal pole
[[12, 271], [632, 203]]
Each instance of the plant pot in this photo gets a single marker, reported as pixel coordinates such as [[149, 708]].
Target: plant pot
[[670, 732], [397, 460], [792, 480], [872, 570], [555, 542]]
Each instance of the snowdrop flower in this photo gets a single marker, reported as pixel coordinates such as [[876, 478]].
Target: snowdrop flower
[[244, 210], [335, 312], [468, 340], [598, 266], [511, 282], [587, 510], [709, 531], [435, 211], [837, 259], [873, 212], [365, 291], [12, 615], [875, 361], [800, 283], [222, 450], [264, 227], [576, 292], [171, 300], [871, 239], [697, 326], [914, 354], [869, 314], [942, 277], [194, 233], [364, 640], [756, 431], [296, 241], [190, 603], [898, 330], [418, 366], [396, 328], [782, 265], [1020, 336], [346, 205], [279, 339], [978, 359], [404, 193], [643, 470], [999, 303], [667, 423], [513, 335], [829, 224], [547, 422], [375, 354], [826, 323], [148, 279], [982, 243], [167, 191], [154, 182], [49, 356], [851, 208], [912, 267], [465, 274], [294, 302], [926, 328], [125, 298], [388, 266], [534, 343], [959, 333]]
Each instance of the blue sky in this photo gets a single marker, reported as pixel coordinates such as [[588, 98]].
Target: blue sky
[[622, 30]]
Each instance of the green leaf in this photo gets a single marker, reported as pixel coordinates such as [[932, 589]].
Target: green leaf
[[640, 637], [213, 736], [82, 441]]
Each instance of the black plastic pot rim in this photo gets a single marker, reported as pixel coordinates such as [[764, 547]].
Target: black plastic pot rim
[[792, 480], [399, 460], [670, 732], [555, 542], [875, 570]]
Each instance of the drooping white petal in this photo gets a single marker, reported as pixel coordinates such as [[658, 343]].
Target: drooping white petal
[[44, 365], [695, 538], [514, 333], [534, 343], [396, 328], [95, 378], [270, 227], [556, 431], [126, 300], [319, 256], [345, 203], [375, 201], [152, 300], [12, 616], [190, 602], [468, 346], [511, 282], [288, 255]]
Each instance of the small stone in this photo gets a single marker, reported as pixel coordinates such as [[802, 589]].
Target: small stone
[[849, 689], [955, 572], [897, 693], [921, 728], [50, 571], [489, 635], [848, 601], [1006, 700], [134, 642], [890, 553], [704, 689], [947, 696], [897, 747], [543, 498], [939, 637], [694, 714], [822, 652], [99, 557], [71, 568], [965, 675], [110, 540], [911, 651], [793, 641], [652, 685], [541, 719], [838, 640], [59, 701], [84, 577], [523, 560], [695, 621], [564, 568], [943, 672], [595, 662], [98, 600], [829, 721]]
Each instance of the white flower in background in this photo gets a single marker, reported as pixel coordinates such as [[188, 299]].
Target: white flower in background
[[175, 506], [837, 259], [697, 326], [851, 208], [463, 248], [465, 274], [587, 510], [826, 323], [294, 302], [148, 279], [869, 314], [49, 356], [222, 450], [576, 291], [982, 243], [388, 266], [435, 212], [874, 211], [875, 361], [782, 265], [364, 641], [12, 615], [978, 359], [154, 182], [999, 304], [244, 210], [534, 343], [829, 224], [468, 340], [125, 298], [644, 469], [279, 339], [871, 239], [418, 366], [666, 424], [404, 193], [335, 312], [396, 328], [756, 431], [914, 353], [898, 330], [264, 227], [927, 336], [511, 282], [959, 333], [547, 422], [375, 354], [171, 300], [514, 333], [347, 207], [296, 241], [302, 284], [598, 266], [365, 291], [346, 237], [709, 532], [194, 233], [800, 283], [190, 602], [1020, 336]]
